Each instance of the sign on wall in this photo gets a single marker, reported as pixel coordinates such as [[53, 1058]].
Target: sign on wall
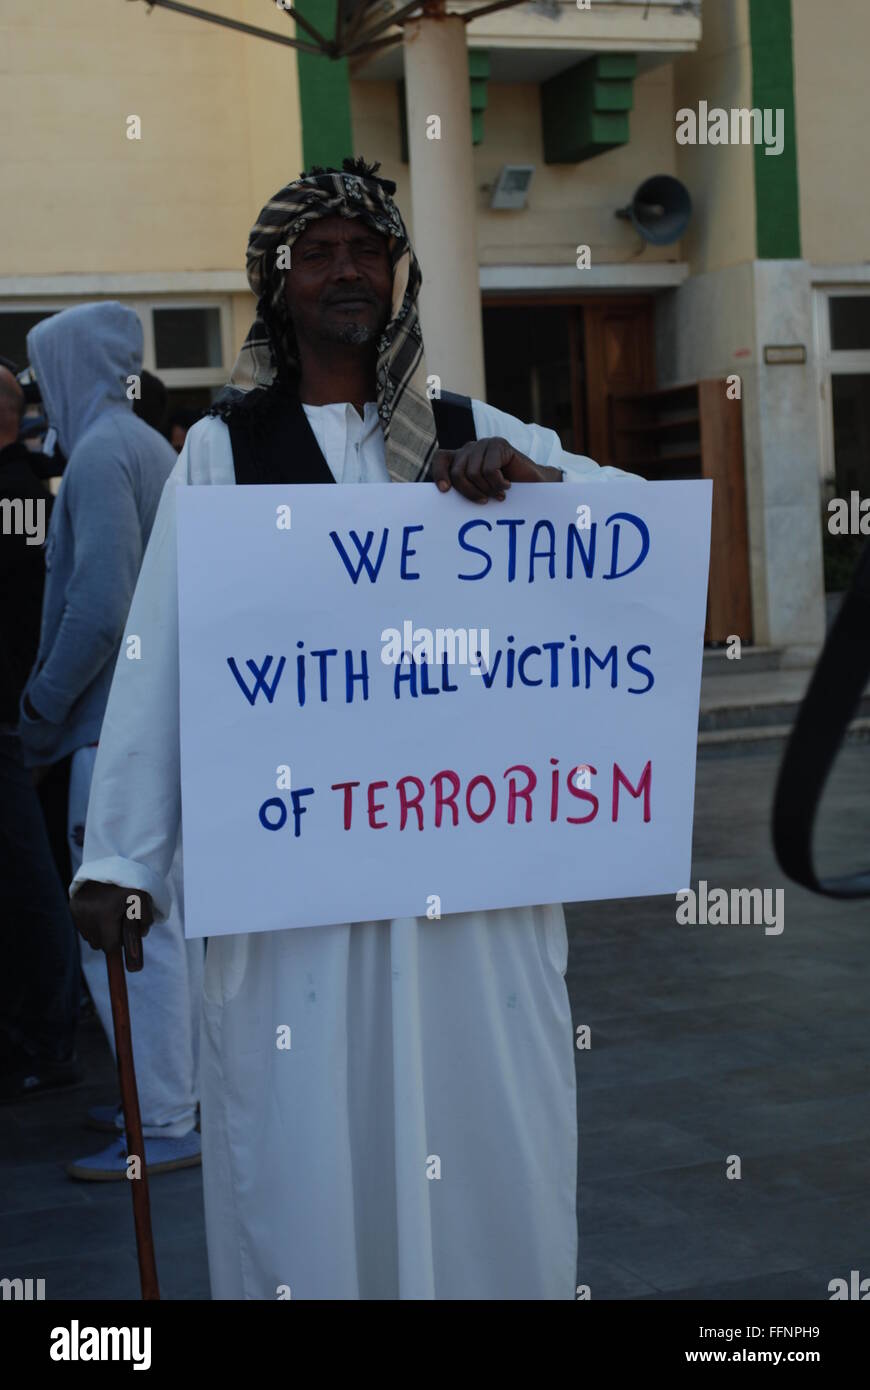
[[397, 703]]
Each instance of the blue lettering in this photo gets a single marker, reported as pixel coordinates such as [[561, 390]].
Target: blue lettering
[[549, 553], [350, 677], [363, 552], [475, 549], [521, 663], [259, 674], [406, 552], [590, 657], [512, 523], [587, 557], [264, 819], [299, 811], [641, 670], [644, 543]]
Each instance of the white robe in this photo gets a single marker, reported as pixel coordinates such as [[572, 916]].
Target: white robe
[[419, 1138]]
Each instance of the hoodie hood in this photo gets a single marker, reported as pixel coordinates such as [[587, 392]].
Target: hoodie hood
[[82, 358]]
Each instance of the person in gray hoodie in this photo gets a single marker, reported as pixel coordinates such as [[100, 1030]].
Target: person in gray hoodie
[[88, 365]]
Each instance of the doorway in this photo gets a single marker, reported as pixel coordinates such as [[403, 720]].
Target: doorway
[[557, 360]]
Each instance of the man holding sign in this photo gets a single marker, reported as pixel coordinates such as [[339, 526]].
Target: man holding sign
[[388, 1106]]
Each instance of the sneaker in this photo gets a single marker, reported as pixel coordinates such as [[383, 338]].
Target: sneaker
[[38, 1078], [161, 1156]]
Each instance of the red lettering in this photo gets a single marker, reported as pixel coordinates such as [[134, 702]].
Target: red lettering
[[554, 788], [441, 800], [483, 815], [346, 787], [526, 792], [582, 795], [642, 786], [412, 804], [374, 806]]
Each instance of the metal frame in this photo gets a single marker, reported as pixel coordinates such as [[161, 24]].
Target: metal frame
[[832, 363], [353, 35], [172, 377]]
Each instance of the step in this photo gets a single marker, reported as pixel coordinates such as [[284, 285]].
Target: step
[[767, 738], [718, 663], [761, 714], [761, 698]]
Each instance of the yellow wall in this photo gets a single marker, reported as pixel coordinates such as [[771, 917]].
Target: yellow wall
[[243, 307], [720, 178], [831, 44], [374, 115], [220, 133], [568, 204]]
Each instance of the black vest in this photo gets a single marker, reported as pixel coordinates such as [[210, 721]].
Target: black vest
[[273, 442]]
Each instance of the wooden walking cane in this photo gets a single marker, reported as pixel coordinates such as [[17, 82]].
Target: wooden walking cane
[[130, 1103]]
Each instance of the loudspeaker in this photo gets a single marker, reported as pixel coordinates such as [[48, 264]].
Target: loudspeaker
[[660, 210]]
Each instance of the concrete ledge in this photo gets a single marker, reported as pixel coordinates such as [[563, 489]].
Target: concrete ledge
[[772, 738], [145, 282], [613, 275]]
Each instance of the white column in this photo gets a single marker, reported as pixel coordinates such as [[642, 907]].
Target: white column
[[444, 200]]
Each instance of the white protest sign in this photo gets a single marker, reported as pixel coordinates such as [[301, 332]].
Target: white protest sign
[[347, 757]]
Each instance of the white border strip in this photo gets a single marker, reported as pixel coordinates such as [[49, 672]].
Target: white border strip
[[190, 282], [830, 275], [610, 276]]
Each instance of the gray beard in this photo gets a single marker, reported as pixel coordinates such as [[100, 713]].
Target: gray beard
[[356, 333]]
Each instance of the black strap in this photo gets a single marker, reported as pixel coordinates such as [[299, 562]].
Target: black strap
[[273, 441], [454, 420], [833, 695]]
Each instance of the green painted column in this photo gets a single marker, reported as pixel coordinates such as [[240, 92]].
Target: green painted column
[[777, 217], [324, 93]]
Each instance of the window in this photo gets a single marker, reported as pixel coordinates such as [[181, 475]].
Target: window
[[15, 324], [186, 343], [187, 338], [843, 339], [188, 346], [849, 320]]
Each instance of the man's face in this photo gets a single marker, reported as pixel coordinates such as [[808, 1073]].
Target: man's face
[[339, 287]]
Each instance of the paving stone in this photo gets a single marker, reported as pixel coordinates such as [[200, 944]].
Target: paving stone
[[724, 1038], [83, 1275], [705, 1041]]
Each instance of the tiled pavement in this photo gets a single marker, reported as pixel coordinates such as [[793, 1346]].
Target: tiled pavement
[[78, 1236], [710, 1041], [706, 1042]]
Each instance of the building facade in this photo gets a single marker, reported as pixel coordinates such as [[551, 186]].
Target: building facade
[[584, 323]]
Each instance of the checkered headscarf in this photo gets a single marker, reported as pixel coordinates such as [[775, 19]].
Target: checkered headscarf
[[270, 351]]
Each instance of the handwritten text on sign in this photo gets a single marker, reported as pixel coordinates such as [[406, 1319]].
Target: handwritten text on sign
[[392, 698]]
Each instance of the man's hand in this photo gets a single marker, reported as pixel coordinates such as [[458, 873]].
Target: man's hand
[[486, 468], [101, 912]]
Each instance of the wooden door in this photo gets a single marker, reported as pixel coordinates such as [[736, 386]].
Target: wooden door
[[619, 358]]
